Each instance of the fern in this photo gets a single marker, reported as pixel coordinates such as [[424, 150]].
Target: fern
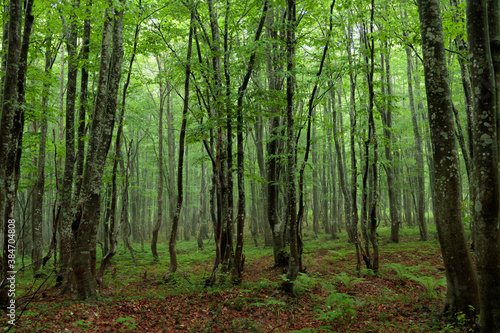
[[348, 281], [430, 284], [403, 272]]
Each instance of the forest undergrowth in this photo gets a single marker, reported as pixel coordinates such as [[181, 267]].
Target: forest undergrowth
[[406, 295]]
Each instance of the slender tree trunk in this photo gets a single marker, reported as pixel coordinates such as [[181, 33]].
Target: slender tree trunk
[[180, 194], [84, 105], [114, 228], [394, 198], [353, 228], [159, 193], [274, 147], [419, 153], [315, 195], [372, 134], [340, 166], [219, 179], [39, 188], [292, 218]]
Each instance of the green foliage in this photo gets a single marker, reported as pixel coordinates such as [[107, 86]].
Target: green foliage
[[430, 284], [82, 324], [340, 255], [304, 282], [407, 273], [403, 272], [245, 325], [367, 272], [348, 281], [128, 322], [462, 323], [338, 306]]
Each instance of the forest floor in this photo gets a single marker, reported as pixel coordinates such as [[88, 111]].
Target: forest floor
[[405, 296]]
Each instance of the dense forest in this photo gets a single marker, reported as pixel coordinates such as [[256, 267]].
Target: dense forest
[[185, 148]]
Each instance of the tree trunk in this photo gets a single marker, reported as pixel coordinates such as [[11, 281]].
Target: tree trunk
[[115, 229], [460, 275], [67, 199], [274, 147], [353, 227], [292, 218], [39, 188], [175, 222], [159, 193], [84, 105], [239, 258], [419, 153], [494, 40], [101, 132], [394, 198], [485, 165], [11, 128], [219, 177]]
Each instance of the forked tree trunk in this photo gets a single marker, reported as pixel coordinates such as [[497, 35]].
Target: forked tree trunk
[[101, 132]]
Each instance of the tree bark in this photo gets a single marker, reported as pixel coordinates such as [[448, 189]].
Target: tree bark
[[10, 128], [485, 165], [460, 275], [67, 200], [394, 198], [114, 229], [419, 152], [101, 132], [180, 194], [292, 218], [274, 147], [39, 188], [159, 193]]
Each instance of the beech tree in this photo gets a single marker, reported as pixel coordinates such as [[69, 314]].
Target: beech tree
[[12, 125], [485, 169], [101, 132], [460, 275]]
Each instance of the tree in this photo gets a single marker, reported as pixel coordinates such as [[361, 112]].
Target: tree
[[275, 142], [101, 132], [390, 169], [39, 188], [485, 169], [180, 193], [67, 207], [419, 152], [460, 274], [12, 125], [239, 259], [292, 218]]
